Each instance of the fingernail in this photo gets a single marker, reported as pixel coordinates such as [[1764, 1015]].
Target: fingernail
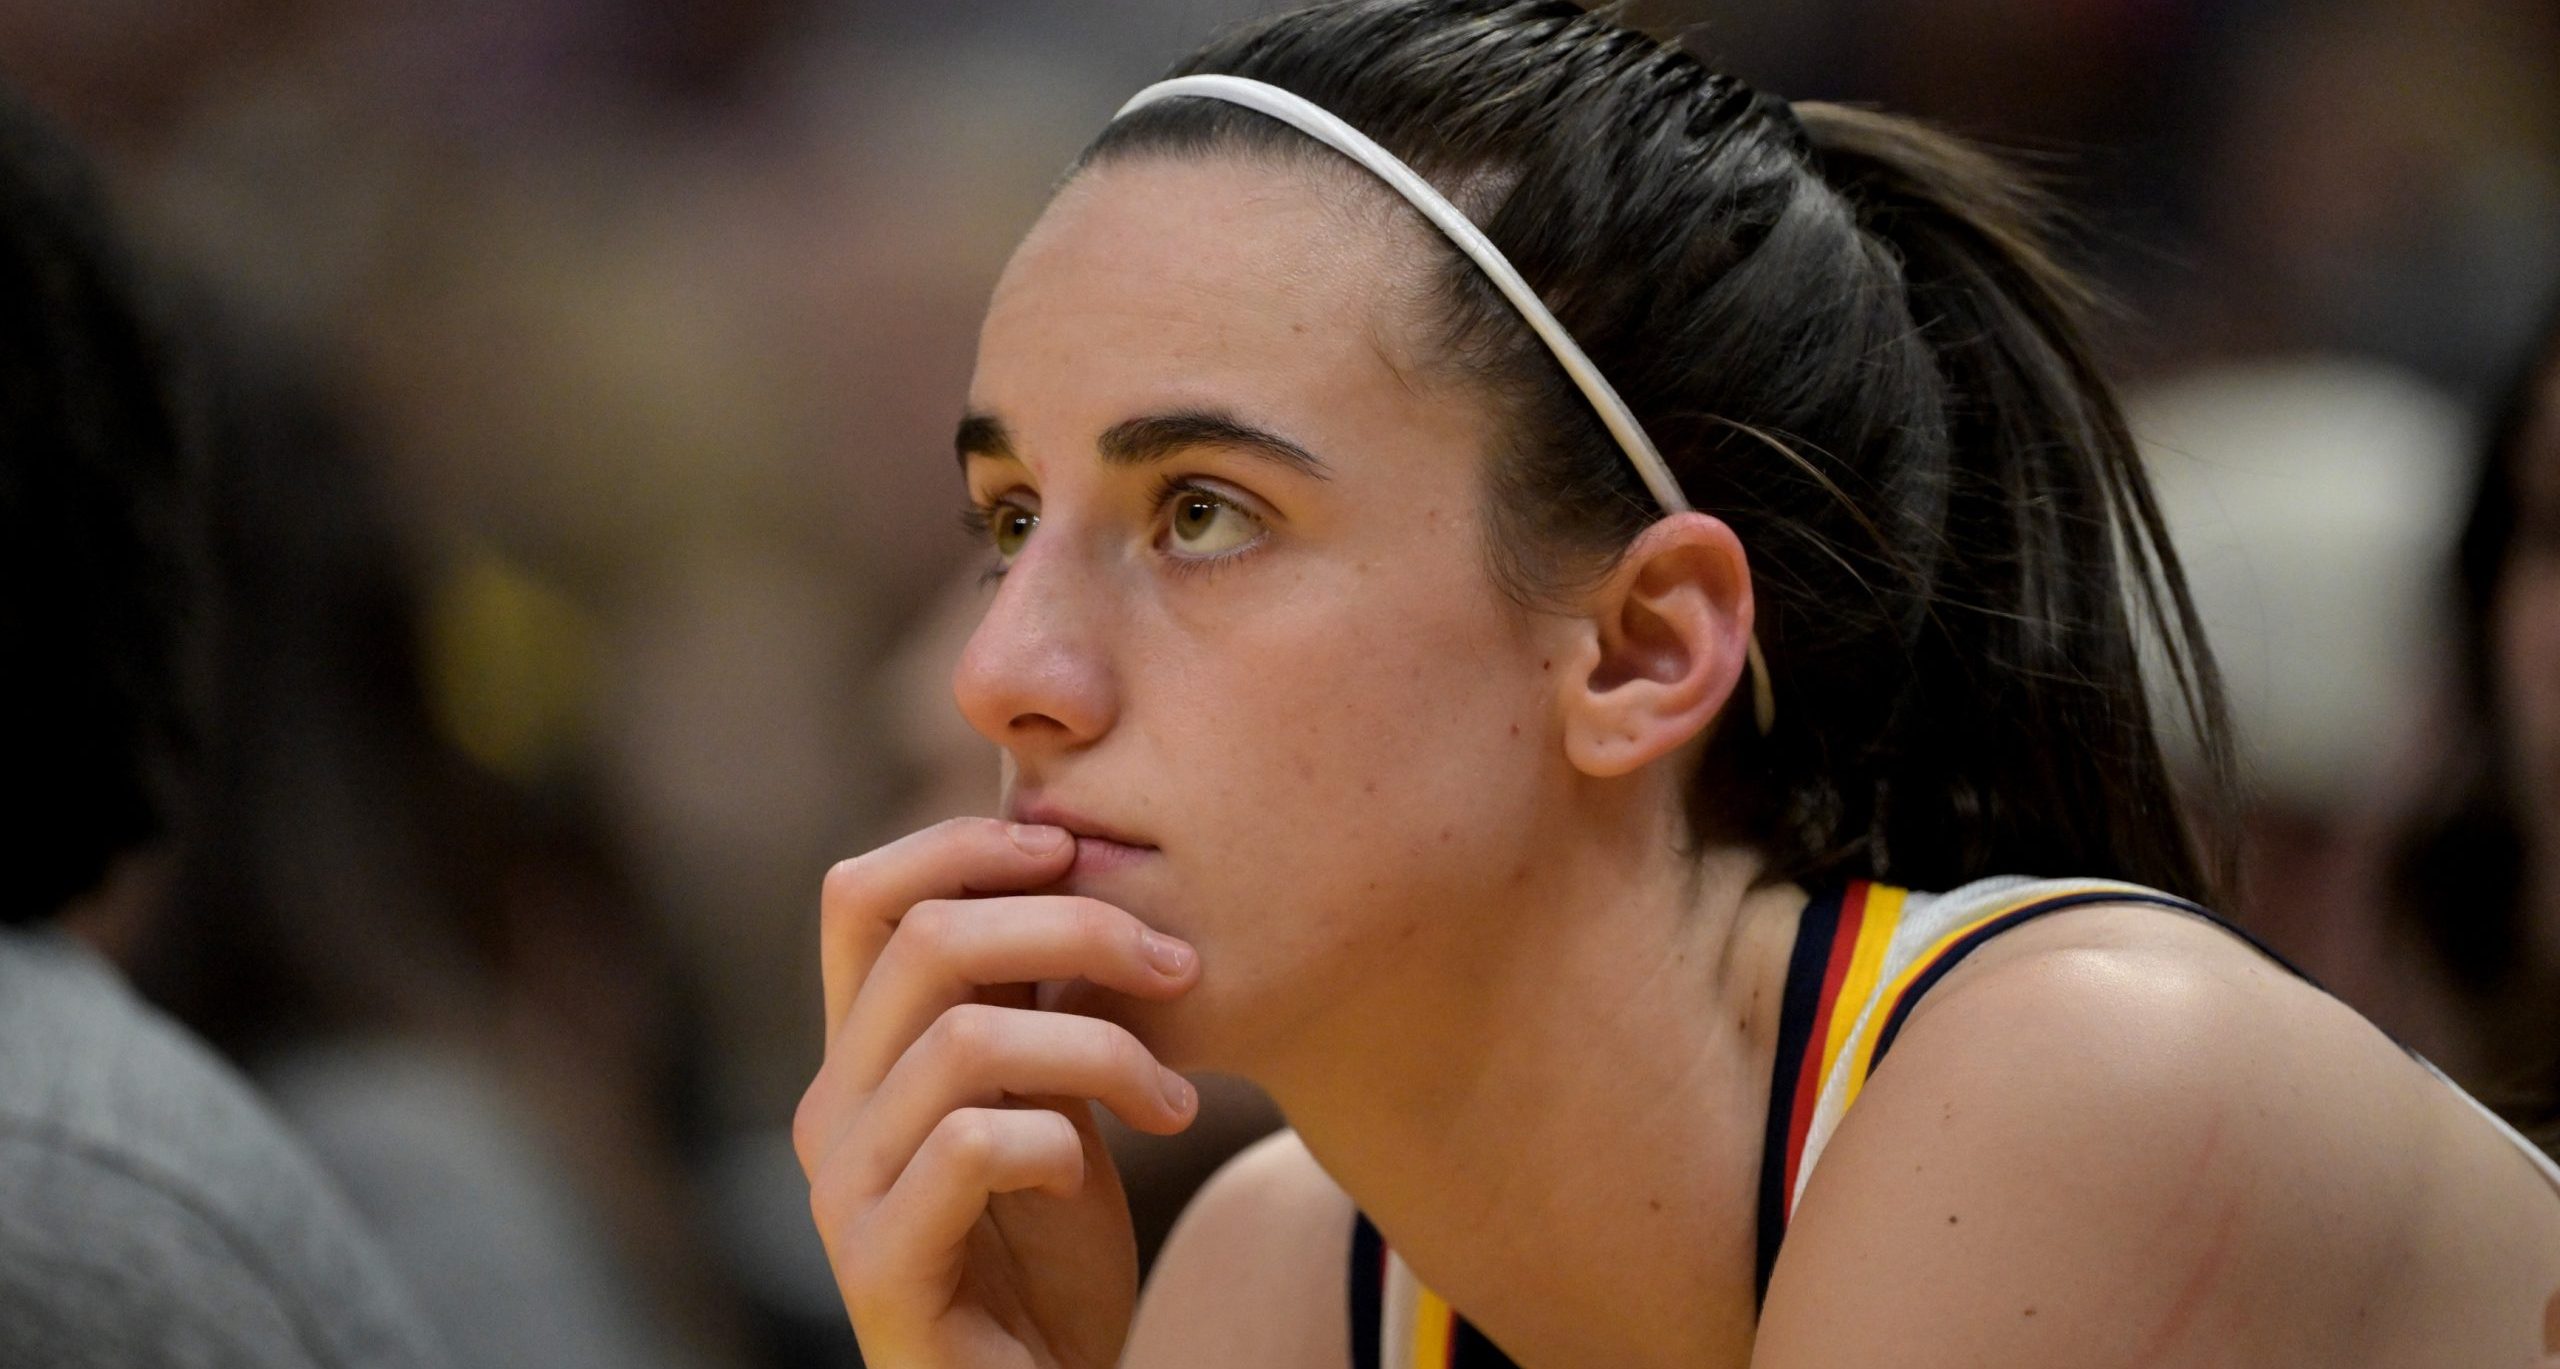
[[1177, 1091], [1037, 840], [1168, 956]]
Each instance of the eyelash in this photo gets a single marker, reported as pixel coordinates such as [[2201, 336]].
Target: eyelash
[[978, 520]]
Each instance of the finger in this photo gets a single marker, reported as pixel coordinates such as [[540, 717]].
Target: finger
[[864, 897], [915, 1233], [946, 950], [976, 1055]]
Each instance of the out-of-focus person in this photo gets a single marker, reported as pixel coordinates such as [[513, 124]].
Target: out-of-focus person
[[2369, 177], [2313, 500], [2477, 876], [152, 1210], [437, 973]]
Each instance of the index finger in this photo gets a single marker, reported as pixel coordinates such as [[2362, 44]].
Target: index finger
[[864, 897]]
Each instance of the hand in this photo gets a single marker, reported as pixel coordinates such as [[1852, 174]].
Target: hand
[[968, 1206]]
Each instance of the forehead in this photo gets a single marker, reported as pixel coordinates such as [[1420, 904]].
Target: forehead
[[1242, 283]]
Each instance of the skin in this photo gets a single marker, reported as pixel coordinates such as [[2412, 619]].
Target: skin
[[1378, 817]]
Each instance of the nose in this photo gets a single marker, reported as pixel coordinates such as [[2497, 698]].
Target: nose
[[1036, 677]]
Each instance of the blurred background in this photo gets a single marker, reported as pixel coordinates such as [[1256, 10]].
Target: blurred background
[[588, 370]]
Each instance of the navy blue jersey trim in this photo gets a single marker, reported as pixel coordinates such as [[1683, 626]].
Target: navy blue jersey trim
[[1468, 1349], [1798, 1006], [1368, 1285]]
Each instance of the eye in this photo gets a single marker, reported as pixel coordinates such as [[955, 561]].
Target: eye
[[1003, 523], [1201, 523], [1009, 526]]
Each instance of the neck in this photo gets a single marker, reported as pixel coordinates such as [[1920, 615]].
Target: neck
[[1558, 1121]]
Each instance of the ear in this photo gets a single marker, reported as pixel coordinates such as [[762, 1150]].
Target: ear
[[1662, 646]]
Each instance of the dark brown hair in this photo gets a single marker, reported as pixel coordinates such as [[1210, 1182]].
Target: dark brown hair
[[99, 575], [1845, 333]]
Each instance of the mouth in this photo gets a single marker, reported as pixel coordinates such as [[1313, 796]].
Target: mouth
[[1099, 846]]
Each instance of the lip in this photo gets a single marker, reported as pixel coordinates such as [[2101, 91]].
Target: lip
[[1099, 846], [1058, 815]]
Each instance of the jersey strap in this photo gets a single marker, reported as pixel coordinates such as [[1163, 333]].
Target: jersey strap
[[1397, 1322], [1932, 936], [1932, 965], [1839, 956], [1368, 1283]]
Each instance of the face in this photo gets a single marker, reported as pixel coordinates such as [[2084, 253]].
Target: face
[[2527, 623], [1244, 622]]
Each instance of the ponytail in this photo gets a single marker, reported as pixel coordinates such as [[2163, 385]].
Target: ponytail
[[2025, 736]]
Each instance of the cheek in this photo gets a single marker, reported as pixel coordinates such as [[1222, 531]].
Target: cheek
[[1373, 752]]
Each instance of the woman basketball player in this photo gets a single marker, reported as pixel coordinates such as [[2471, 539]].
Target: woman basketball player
[[1628, 725]]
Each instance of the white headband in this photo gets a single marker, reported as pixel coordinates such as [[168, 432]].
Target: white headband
[[1321, 125]]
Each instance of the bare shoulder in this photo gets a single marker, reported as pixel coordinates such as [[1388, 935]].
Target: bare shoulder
[[1253, 1274], [2129, 1133]]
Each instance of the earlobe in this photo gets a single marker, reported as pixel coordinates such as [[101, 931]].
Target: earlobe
[[1660, 647]]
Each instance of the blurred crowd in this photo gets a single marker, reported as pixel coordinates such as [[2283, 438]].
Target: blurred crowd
[[587, 370]]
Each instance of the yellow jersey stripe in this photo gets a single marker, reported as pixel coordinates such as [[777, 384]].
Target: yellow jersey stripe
[[1883, 1005], [1866, 964], [1432, 1328]]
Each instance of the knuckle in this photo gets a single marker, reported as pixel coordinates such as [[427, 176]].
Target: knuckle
[[929, 928], [969, 1139], [1062, 1139], [1124, 1053], [835, 1203], [1096, 923], [843, 894], [808, 1130], [965, 1035], [862, 1263]]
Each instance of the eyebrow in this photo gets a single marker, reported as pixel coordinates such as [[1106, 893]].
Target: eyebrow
[[1152, 438]]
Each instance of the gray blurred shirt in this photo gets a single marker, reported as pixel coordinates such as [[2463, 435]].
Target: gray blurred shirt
[[152, 1211]]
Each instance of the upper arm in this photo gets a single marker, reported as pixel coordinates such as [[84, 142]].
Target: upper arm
[[1253, 1274], [101, 1264], [2094, 1157]]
